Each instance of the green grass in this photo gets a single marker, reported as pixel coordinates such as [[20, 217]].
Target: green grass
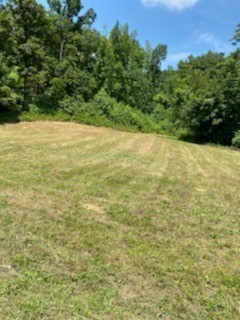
[[102, 224]]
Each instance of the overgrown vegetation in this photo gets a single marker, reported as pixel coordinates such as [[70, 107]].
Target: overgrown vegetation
[[236, 140], [52, 62], [101, 111], [102, 224]]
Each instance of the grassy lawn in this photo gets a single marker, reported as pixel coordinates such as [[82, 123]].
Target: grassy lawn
[[101, 224]]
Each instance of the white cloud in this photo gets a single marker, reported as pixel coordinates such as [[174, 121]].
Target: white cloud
[[213, 41], [170, 4]]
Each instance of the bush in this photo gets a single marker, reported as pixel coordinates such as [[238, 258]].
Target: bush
[[103, 103], [57, 90], [101, 111], [236, 140], [43, 103], [9, 100], [132, 118], [71, 105], [122, 114], [159, 113]]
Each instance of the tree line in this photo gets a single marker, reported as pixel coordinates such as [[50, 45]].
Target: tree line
[[52, 62]]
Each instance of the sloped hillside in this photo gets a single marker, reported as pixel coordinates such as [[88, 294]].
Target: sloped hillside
[[102, 224]]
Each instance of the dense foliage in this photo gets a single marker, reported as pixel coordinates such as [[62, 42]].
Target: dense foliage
[[53, 63]]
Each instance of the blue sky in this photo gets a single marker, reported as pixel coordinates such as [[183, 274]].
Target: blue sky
[[186, 26]]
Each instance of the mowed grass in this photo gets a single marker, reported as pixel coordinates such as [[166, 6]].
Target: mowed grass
[[102, 224]]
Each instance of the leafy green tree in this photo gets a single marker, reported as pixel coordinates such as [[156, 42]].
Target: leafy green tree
[[6, 29], [30, 32], [9, 99], [68, 20], [236, 38], [154, 61], [122, 69], [204, 97]]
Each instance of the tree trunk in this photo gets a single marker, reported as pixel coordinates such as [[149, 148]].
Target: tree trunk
[[61, 50]]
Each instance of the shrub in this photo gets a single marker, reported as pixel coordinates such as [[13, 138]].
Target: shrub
[[57, 90], [9, 100], [128, 117], [103, 103], [236, 139], [72, 105], [43, 103], [159, 113], [101, 111], [122, 114]]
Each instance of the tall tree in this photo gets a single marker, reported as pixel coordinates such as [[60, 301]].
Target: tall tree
[[6, 30], [9, 99], [68, 19], [236, 38], [204, 97], [30, 32], [123, 67], [155, 58]]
